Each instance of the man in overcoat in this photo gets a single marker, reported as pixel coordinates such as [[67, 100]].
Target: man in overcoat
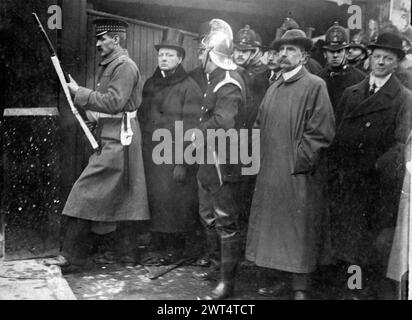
[[368, 156], [112, 188], [296, 124], [171, 100]]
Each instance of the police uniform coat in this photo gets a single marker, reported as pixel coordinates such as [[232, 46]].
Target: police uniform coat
[[338, 81], [100, 193], [368, 166], [173, 205], [296, 124]]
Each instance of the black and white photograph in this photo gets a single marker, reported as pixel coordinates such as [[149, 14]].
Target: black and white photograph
[[236, 151]]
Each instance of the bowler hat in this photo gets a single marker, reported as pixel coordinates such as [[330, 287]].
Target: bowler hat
[[295, 37], [104, 26], [389, 41], [172, 38]]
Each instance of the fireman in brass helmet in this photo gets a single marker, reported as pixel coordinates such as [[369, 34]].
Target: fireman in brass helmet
[[337, 74], [358, 51], [222, 110]]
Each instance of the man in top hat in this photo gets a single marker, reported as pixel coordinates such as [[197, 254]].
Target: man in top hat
[[221, 111], [112, 188], [170, 98], [296, 124], [358, 51], [368, 154], [337, 73]]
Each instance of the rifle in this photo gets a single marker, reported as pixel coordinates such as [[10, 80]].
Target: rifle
[[64, 79]]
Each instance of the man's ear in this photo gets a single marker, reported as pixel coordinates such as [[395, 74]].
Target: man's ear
[[116, 39]]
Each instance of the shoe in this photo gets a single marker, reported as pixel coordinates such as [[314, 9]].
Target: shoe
[[301, 295], [207, 275], [274, 291], [76, 268], [223, 290], [202, 262]]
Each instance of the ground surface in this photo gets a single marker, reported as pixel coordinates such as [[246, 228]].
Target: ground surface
[[116, 282]]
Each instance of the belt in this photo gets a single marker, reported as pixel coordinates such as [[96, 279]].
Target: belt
[[132, 114]]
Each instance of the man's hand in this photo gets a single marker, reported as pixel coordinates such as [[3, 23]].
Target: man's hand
[[91, 125], [73, 86], [179, 173]]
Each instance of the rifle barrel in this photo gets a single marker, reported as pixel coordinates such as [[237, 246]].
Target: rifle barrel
[[44, 35]]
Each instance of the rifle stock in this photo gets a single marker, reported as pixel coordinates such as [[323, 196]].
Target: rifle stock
[[64, 79]]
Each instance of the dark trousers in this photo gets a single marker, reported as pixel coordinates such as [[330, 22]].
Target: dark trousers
[[218, 208]]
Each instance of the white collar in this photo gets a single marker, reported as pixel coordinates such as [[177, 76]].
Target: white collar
[[379, 82], [291, 73]]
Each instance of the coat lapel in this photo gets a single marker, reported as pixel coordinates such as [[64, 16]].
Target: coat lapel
[[379, 101]]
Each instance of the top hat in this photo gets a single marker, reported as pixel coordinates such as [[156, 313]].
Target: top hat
[[389, 41], [173, 39], [295, 37], [204, 29], [104, 26]]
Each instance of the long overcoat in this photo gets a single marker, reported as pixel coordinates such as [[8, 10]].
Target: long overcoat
[[296, 124], [100, 193], [173, 205], [367, 168]]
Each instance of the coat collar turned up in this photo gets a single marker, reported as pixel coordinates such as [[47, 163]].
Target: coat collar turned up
[[113, 56]]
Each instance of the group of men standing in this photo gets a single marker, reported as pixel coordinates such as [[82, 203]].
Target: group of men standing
[[331, 152]]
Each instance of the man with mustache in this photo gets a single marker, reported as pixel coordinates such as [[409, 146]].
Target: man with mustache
[[296, 124], [111, 191], [337, 73]]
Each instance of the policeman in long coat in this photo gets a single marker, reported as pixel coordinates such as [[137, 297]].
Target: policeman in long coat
[[369, 160], [171, 99], [112, 187], [296, 124], [247, 55]]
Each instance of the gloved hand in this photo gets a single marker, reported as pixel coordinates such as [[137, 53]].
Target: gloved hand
[[179, 173], [91, 125]]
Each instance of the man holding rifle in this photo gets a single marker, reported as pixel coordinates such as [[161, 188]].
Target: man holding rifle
[[112, 187]]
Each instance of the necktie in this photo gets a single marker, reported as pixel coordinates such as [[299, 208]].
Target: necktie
[[372, 89]]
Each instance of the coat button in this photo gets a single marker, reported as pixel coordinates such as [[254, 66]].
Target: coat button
[[202, 108], [367, 124], [205, 95], [360, 145], [200, 119], [98, 84]]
